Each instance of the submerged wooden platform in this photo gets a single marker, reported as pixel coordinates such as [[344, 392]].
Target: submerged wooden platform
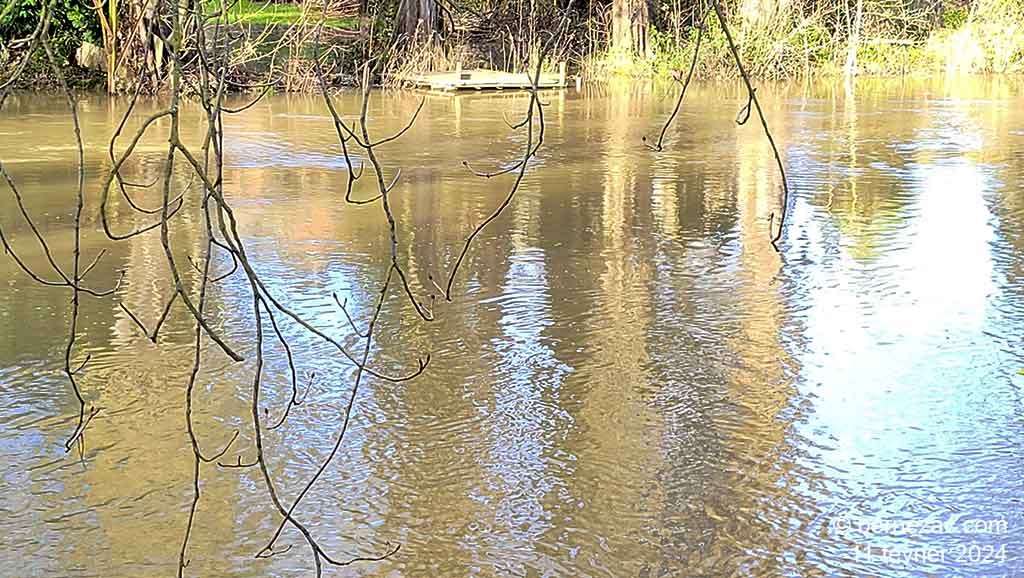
[[485, 79]]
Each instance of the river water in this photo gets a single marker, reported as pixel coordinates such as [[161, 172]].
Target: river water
[[628, 382]]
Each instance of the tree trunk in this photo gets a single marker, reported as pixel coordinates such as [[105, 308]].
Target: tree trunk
[[419, 18], [854, 42], [630, 22]]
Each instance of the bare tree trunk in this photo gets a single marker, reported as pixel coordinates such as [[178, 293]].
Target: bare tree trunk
[[630, 23], [418, 18], [854, 44], [145, 16]]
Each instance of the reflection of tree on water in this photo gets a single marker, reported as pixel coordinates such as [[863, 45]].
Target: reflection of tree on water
[[600, 305], [111, 503], [724, 429], [852, 172], [760, 385]]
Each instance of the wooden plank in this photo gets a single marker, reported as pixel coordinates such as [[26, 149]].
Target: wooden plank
[[482, 79]]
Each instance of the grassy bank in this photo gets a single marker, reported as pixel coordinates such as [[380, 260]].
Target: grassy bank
[[776, 39], [986, 36], [284, 13]]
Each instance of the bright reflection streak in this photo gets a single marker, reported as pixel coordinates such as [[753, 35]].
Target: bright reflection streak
[[901, 374]]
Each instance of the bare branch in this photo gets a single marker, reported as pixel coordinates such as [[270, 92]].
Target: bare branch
[[682, 93], [752, 98], [534, 123]]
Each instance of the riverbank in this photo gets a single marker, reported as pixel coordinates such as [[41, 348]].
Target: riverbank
[[283, 46], [39, 76], [282, 55], [775, 41], [984, 37]]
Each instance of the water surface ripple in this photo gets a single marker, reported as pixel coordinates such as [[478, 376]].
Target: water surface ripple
[[629, 382]]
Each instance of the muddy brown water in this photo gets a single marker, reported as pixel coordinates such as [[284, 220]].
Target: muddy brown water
[[629, 381]]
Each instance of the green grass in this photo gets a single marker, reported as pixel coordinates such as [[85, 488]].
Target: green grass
[[272, 13]]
